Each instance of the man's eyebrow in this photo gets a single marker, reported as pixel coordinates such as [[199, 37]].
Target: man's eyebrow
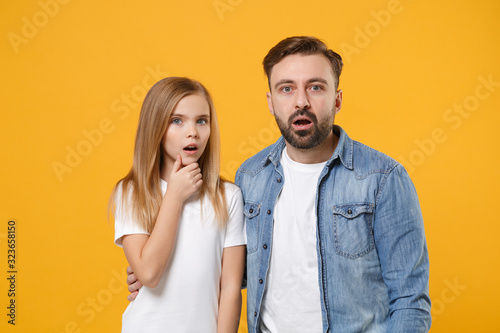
[[284, 81], [317, 79], [312, 80]]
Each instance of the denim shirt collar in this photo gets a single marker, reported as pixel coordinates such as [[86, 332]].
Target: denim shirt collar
[[343, 150]]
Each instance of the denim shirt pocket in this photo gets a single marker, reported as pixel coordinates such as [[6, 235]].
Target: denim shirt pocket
[[352, 229], [251, 212]]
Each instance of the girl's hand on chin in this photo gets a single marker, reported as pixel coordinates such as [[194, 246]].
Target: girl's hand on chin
[[184, 181]]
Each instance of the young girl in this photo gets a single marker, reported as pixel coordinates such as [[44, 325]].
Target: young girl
[[180, 225]]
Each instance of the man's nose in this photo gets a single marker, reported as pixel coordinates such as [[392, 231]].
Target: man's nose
[[302, 100]]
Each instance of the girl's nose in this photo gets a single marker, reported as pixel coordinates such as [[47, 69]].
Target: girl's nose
[[192, 132]]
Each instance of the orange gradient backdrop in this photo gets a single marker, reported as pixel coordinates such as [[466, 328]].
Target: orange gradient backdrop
[[421, 83]]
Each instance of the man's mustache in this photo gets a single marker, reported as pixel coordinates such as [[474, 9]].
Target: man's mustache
[[303, 112]]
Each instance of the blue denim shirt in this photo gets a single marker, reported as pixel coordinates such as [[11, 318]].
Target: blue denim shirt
[[373, 264]]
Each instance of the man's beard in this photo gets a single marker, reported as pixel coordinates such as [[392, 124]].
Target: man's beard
[[306, 139]]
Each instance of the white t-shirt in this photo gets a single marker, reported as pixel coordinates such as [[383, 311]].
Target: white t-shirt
[[291, 301], [186, 298]]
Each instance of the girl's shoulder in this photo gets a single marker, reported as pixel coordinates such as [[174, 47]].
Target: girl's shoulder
[[230, 189], [233, 194], [119, 189]]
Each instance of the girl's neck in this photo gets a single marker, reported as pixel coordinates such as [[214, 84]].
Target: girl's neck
[[165, 173]]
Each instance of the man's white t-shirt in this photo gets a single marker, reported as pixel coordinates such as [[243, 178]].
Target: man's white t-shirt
[[186, 298], [291, 301]]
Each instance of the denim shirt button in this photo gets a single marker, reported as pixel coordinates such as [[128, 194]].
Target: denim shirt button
[[278, 180], [251, 210], [261, 281], [255, 314], [265, 246], [268, 212], [349, 211]]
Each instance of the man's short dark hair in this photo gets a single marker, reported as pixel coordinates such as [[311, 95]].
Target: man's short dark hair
[[306, 45]]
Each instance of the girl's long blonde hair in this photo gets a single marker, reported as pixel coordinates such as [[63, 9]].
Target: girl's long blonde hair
[[141, 187]]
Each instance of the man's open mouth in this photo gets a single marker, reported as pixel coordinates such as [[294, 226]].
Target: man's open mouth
[[302, 124]]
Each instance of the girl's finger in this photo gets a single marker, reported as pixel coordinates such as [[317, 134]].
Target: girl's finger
[[177, 164]]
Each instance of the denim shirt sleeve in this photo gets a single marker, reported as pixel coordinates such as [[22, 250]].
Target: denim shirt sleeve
[[237, 182], [401, 245]]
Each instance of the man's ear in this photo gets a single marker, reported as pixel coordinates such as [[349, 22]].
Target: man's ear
[[338, 101], [270, 103]]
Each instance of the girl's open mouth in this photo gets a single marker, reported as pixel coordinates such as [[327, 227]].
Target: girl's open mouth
[[190, 149]]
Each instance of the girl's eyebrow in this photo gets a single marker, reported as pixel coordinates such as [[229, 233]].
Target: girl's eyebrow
[[181, 115]]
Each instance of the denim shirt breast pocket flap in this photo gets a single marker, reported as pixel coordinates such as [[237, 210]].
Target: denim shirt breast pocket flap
[[251, 212], [352, 229]]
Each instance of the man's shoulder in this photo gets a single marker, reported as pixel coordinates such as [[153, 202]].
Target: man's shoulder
[[258, 161], [367, 160]]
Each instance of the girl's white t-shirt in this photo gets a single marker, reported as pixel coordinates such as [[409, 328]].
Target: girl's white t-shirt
[[187, 296]]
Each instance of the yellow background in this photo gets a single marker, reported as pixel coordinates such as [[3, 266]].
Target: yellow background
[[73, 75]]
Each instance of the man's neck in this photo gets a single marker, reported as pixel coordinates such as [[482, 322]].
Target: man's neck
[[318, 154]]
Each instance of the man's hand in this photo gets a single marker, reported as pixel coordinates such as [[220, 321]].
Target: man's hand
[[133, 284]]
